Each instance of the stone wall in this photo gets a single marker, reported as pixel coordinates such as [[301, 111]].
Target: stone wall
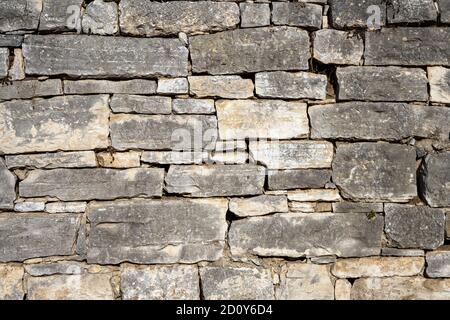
[[224, 149]]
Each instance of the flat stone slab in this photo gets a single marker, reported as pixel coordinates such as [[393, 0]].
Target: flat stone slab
[[434, 179], [135, 86], [337, 47], [307, 15], [28, 89], [61, 15], [193, 106], [347, 206], [298, 179], [258, 206], [346, 14], [128, 103], [75, 159], [411, 11], [228, 87], [11, 40], [19, 15]]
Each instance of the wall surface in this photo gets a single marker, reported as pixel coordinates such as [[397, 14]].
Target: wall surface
[[224, 149]]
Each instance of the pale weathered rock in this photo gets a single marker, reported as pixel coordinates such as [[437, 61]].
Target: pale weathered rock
[[61, 15], [17, 69], [438, 263], [444, 9], [309, 207], [314, 195], [125, 103], [7, 187], [60, 267], [230, 145], [306, 15], [130, 159], [68, 207], [358, 13], [11, 40], [176, 132], [193, 106], [136, 86], [174, 157], [32, 235], [229, 157], [439, 84], [151, 18], [409, 226], [4, 62], [179, 282], [173, 86], [347, 206], [297, 179], [236, 283], [162, 231], [306, 281], [29, 206], [254, 14], [342, 289], [434, 179], [337, 47], [87, 184], [30, 89], [411, 11], [76, 159], [258, 206], [287, 85], [323, 259], [101, 18], [275, 119], [11, 287], [395, 252], [250, 50], [375, 172], [82, 55], [215, 180], [292, 154], [296, 235], [228, 87], [19, 15]]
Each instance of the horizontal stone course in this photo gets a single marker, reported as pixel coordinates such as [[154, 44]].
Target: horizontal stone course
[[28, 89], [19, 15]]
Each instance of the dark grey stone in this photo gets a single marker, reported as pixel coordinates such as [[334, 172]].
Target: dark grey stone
[[337, 47], [298, 179], [434, 179], [61, 15], [28, 89], [19, 15], [438, 263], [135, 86], [411, 11], [444, 9], [356, 13], [11, 40], [298, 14], [348, 206]]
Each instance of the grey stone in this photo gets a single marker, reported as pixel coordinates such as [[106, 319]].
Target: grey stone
[[297, 14], [408, 47], [76, 159], [228, 87], [434, 179], [174, 157], [11, 40], [236, 283], [382, 84], [193, 106], [409, 226], [61, 123], [178, 282], [439, 84], [30, 89], [258, 206], [68, 207], [17, 69], [7, 187], [298, 179], [444, 9], [101, 18], [337, 47], [395, 252], [51, 268], [233, 157], [230, 145], [88, 184], [125, 103], [250, 50], [11, 286], [29, 206], [254, 14], [32, 235], [411, 11], [157, 231], [438, 263], [295, 235], [161, 132], [287, 85], [173, 86], [19, 15], [61, 15], [96, 56], [216, 180], [347, 206], [310, 195], [136, 86], [357, 13], [4, 62], [375, 172]]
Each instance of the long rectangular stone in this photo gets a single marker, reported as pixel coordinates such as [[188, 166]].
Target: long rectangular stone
[[347, 14], [11, 40], [193, 106], [311, 195], [135, 86], [347, 206], [258, 206], [19, 15], [298, 179], [96, 56], [88, 184], [228, 87], [157, 231], [35, 235], [250, 50], [411, 11], [439, 78], [61, 123], [129, 103], [297, 235], [275, 119], [297, 14], [174, 157], [28, 89], [76, 159]]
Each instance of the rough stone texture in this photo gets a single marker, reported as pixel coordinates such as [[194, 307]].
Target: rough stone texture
[[68, 207], [434, 179], [130, 159], [305, 15], [347, 206], [276, 119], [11, 287], [234, 157], [439, 84], [232, 283], [444, 9], [137, 86], [4, 62], [157, 231], [60, 15], [228, 87], [375, 172], [314, 195], [77, 159], [356, 13], [17, 69], [254, 14], [29, 206], [19, 15], [173, 157], [160, 282], [30, 89], [298, 179], [337, 47], [124, 103], [438, 263], [414, 227], [395, 252], [295, 235], [250, 50], [11, 40], [411, 11], [258, 206], [309, 207], [342, 289], [101, 18], [193, 106], [173, 86], [7, 187]]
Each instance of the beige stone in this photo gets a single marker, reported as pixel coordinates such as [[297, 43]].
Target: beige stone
[[17, 70], [342, 289], [228, 87], [439, 79], [130, 159], [314, 195], [11, 282], [258, 206]]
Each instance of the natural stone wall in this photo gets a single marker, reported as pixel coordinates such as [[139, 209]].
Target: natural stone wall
[[225, 149]]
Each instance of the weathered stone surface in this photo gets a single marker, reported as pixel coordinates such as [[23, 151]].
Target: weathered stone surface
[[179, 282], [30, 89], [287, 85], [236, 283], [176, 132], [258, 206], [309, 207], [401, 288], [193, 106], [228, 87], [337, 47], [130, 159], [434, 179], [438, 263], [444, 9], [17, 69], [7, 187], [347, 206], [447, 226], [173, 86], [342, 289], [76, 159], [382, 84], [157, 231], [215, 180], [378, 121], [82, 55], [145, 18], [88, 184], [11, 40], [59, 267], [19, 15], [306, 281], [297, 235], [231, 145], [408, 47], [314, 195], [11, 287], [29, 206], [61, 123], [292, 154], [254, 14], [233, 157], [250, 50], [34, 235], [375, 172], [101, 18], [136, 86], [439, 84], [275, 119], [173, 157], [357, 13], [411, 11], [298, 179], [297, 14], [68, 207], [4, 62], [395, 252], [414, 227], [61, 15], [126, 103]]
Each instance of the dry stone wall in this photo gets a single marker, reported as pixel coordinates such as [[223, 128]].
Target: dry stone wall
[[224, 149]]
